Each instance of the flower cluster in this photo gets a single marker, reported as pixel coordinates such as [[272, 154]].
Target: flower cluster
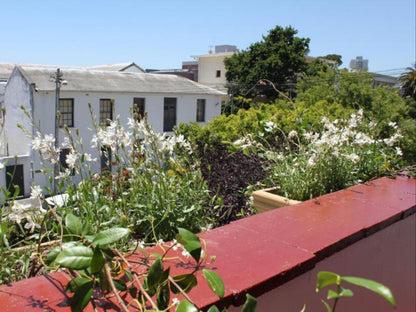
[[27, 212], [45, 145], [113, 136], [344, 153]]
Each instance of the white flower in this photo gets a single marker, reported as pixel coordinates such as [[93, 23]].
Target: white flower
[[353, 157], [64, 174], [71, 159], [25, 211], [292, 134], [175, 301], [87, 157], [269, 126], [46, 147], [185, 253], [131, 123], [399, 151], [393, 139], [393, 124], [311, 161], [362, 139], [36, 191]]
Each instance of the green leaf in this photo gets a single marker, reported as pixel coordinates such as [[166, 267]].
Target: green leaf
[[75, 258], [186, 306], [110, 236], [303, 308], [215, 282], [374, 286], [165, 276], [73, 224], [345, 292], [184, 281], [250, 305], [75, 283], [155, 273], [327, 278], [213, 309], [81, 297], [332, 295], [120, 284], [97, 261], [56, 250], [190, 242], [163, 297]]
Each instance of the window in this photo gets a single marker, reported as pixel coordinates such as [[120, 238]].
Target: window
[[218, 75], [15, 180], [106, 111], [169, 114], [200, 110], [62, 160], [138, 108], [66, 109], [105, 158]]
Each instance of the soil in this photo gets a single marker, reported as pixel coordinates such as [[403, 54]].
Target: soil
[[228, 175]]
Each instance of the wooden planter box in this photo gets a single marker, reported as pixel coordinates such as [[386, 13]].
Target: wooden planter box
[[265, 200]]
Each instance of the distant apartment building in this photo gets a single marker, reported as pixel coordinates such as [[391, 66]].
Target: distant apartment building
[[359, 64]]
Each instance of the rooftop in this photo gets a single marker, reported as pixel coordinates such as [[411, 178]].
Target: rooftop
[[113, 81]]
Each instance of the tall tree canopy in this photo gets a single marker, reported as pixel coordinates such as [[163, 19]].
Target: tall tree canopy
[[408, 82], [277, 59]]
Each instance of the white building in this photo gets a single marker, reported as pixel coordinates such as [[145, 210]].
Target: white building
[[167, 99], [211, 68]]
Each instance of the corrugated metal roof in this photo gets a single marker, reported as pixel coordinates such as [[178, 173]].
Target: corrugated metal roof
[[7, 68], [114, 67], [108, 81]]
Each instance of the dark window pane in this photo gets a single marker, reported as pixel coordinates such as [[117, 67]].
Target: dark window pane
[[200, 110], [14, 179], [169, 114], [105, 158], [138, 108]]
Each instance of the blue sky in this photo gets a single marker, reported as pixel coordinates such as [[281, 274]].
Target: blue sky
[[162, 34]]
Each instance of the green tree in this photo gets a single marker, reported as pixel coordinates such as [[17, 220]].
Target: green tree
[[408, 82], [333, 57], [323, 63], [408, 89], [279, 57]]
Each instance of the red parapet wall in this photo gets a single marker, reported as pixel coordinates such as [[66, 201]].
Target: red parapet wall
[[367, 230]]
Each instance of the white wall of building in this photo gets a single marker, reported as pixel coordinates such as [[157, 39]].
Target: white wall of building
[[17, 94], [208, 67]]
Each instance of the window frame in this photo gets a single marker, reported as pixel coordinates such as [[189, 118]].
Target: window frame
[[200, 110], [169, 105], [106, 111], [139, 108], [66, 114]]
